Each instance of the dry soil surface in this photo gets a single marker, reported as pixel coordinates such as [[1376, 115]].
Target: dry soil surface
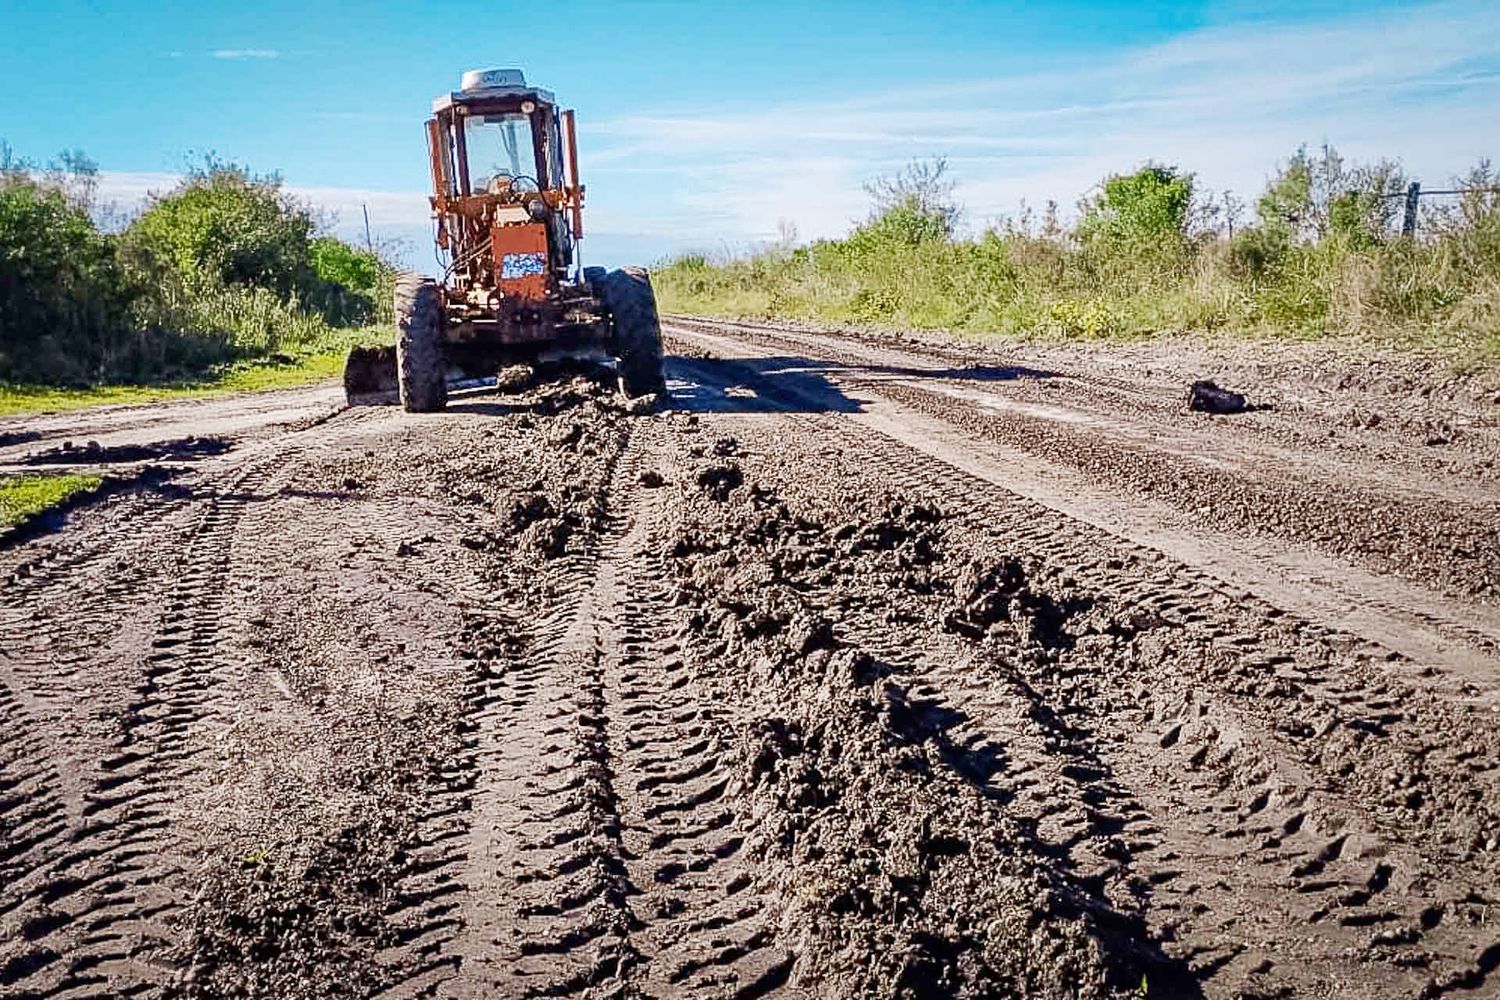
[[857, 668]]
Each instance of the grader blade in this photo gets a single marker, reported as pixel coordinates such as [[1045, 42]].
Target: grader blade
[[370, 376]]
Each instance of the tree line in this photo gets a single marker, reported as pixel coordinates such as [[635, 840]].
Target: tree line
[[226, 266]]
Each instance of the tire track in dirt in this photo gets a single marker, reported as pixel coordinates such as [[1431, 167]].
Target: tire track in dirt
[[586, 843], [340, 758], [1432, 528], [116, 920], [68, 609], [506, 861], [1447, 541], [1198, 740], [33, 816], [516, 887], [703, 929], [95, 898]]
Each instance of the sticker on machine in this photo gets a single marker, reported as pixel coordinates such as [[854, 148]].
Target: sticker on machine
[[522, 265]]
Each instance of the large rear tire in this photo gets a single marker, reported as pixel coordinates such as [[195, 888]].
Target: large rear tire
[[636, 338], [419, 344]]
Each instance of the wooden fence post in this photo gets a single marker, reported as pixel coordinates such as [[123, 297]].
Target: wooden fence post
[[1409, 220]]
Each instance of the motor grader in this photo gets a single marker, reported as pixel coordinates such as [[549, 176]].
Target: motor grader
[[507, 206]]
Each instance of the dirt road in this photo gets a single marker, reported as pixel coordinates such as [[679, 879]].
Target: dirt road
[[859, 668]]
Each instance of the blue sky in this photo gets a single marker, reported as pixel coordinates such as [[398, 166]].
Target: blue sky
[[704, 126]]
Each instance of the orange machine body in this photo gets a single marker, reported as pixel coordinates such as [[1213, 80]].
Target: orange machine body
[[520, 255], [509, 236]]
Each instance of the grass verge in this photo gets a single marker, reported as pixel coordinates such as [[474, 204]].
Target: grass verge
[[1148, 256], [939, 289], [323, 361], [24, 497]]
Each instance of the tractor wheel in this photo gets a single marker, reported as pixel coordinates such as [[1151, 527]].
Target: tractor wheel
[[636, 341], [419, 344]]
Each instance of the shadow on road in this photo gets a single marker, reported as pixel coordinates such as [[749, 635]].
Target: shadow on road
[[150, 479], [803, 385], [781, 384]]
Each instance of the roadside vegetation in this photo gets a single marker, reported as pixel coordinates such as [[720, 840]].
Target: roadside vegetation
[[24, 497], [1318, 255], [317, 362], [224, 282]]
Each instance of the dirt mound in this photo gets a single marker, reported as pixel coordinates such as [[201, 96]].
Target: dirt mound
[[93, 453], [906, 879], [1002, 598]]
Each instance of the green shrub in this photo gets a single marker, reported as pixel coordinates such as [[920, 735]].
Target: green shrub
[[1353, 217], [1321, 259], [354, 286], [905, 224], [242, 322], [223, 268], [336, 262], [1144, 213], [63, 295], [1296, 297], [1259, 250], [224, 226]]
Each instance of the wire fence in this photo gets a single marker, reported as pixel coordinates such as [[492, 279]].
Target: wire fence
[[1414, 194]]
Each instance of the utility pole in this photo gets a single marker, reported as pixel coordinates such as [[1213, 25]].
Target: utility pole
[[369, 244], [1409, 220]]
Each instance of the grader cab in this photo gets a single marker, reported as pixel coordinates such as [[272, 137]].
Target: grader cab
[[507, 205]]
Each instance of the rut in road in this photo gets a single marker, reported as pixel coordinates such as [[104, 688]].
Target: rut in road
[[590, 844], [96, 887], [1193, 755]]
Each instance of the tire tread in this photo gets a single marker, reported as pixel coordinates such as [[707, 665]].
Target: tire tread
[[419, 347]]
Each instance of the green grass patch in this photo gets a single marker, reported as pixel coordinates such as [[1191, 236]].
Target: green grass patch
[[1321, 258], [23, 497], [319, 362], [1017, 294]]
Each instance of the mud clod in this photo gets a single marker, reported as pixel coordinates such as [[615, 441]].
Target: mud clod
[[1207, 397], [719, 480]]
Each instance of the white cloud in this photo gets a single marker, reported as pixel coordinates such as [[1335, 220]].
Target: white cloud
[[245, 54], [130, 191], [1418, 83], [1421, 84]]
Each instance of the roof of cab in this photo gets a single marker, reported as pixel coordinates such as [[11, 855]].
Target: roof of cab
[[489, 84]]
